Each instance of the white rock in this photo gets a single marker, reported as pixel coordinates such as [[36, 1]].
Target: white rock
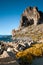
[[4, 55], [9, 49]]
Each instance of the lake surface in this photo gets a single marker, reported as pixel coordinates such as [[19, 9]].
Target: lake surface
[[6, 38], [38, 61]]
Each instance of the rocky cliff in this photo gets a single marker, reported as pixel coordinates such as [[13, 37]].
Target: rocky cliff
[[30, 16], [30, 24]]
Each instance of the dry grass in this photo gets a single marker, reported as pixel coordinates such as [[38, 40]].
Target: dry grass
[[36, 50], [36, 33]]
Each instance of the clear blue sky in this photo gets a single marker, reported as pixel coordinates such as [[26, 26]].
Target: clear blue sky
[[10, 13]]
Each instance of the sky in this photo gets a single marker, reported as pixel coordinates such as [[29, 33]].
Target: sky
[[10, 13]]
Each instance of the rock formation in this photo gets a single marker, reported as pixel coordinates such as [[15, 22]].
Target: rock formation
[[30, 16]]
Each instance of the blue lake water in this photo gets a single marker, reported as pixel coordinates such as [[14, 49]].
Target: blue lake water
[[6, 38]]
